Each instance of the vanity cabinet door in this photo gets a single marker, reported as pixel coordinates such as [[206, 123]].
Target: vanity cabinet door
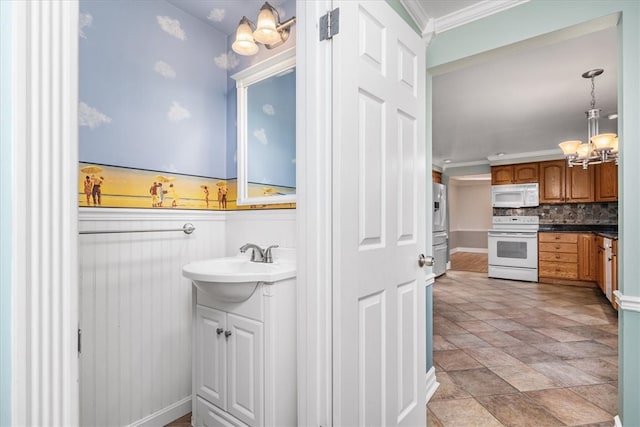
[[211, 355], [245, 375]]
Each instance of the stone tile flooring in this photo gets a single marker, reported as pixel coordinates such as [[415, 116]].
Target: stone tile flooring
[[522, 354]]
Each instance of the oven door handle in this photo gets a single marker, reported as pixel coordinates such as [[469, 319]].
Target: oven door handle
[[512, 234]]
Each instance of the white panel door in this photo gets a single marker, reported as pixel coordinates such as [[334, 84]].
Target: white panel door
[[246, 376], [379, 333], [211, 356]]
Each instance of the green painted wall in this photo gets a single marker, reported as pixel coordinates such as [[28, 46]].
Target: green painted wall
[[395, 5], [513, 29]]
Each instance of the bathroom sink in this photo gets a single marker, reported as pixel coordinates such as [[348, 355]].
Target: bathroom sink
[[234, 279]]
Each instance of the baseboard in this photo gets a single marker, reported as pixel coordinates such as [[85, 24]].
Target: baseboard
[[473, 250], [165, 415], [432, 383], [617, 421]]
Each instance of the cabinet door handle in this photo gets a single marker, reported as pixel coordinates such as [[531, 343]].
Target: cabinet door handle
[[219, 331], [227, 333]]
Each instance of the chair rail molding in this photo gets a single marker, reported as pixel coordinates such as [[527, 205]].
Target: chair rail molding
[[627, 303]]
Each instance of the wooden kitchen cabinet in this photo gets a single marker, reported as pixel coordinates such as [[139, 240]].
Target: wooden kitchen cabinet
[[600, 254], [562, 184], [606, 182], [552, 181], [614, 272], [436, 177], [501, 175], [525, 173], [567, 258], [522, 173], [587, 264], [557, 256], [579, 185]]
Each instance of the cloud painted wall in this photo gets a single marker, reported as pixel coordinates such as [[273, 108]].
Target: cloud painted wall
[[151, 94], [156, 93]]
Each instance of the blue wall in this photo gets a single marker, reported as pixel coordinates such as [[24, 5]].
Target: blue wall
[[155, 91], [151, 93], [5, 214]]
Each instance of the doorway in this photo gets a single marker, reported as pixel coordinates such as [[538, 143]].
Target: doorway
[[439, 302]]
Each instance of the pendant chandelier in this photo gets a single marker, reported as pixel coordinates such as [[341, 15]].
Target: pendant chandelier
[[600, 147]]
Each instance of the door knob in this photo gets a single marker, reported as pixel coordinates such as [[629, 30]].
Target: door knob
[[429, 261], [227, 333], [219, 331]]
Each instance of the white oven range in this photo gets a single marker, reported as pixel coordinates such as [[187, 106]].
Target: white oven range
[[513, 248]]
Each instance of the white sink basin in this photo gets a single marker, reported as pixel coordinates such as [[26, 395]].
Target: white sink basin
[[234, 279]]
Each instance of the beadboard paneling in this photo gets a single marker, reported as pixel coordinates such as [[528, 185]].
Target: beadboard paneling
[[264, 228], [135, 311]]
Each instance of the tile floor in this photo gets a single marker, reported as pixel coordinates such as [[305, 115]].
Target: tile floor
[[522, 354]]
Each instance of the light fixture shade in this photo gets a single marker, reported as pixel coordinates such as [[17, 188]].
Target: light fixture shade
[[603, 140], [614, 145], [569, 147], [584, 151], [266, 27], [244, 43]]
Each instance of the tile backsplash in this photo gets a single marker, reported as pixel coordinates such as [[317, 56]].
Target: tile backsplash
[[569, 213]]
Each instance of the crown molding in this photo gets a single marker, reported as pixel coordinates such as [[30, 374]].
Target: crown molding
[[473, 13], [464, 164], [417, 13], [531, 156], [431, 26]]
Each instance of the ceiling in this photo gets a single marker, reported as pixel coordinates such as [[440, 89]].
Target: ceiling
[[525, 102], [518, 104]]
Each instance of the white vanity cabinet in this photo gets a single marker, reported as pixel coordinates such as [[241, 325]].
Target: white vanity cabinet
[[244, 363]]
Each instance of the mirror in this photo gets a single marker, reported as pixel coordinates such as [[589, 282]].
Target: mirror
[[267, 131]]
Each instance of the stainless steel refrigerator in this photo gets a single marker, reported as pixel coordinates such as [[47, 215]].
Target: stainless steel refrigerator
[[440, 237]]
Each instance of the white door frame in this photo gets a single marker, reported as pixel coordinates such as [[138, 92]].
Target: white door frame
[[314, 210], [44, 386]]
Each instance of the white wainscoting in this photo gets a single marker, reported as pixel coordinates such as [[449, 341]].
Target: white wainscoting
[[135, 306], [135, 313], [264, 228]]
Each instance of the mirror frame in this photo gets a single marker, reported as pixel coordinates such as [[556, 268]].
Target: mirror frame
[[244, 79]]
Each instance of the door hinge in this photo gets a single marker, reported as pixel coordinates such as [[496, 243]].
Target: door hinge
[[330, 24], [79, 341]]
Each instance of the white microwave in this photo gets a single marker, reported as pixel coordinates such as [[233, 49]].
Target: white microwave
[[514, 196]]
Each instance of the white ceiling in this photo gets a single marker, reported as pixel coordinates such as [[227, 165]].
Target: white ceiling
[[523, 102]]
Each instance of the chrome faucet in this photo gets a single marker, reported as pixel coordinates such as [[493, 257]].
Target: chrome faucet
[[267, 254], [257, 255]]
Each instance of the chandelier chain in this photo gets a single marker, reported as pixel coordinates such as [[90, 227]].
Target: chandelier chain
[[593, 92]]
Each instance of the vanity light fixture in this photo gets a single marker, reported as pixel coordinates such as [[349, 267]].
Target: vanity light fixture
[[600, 147], [268, 31]]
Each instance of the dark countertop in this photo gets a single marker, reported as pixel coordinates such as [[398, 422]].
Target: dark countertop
[[606, 230]]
